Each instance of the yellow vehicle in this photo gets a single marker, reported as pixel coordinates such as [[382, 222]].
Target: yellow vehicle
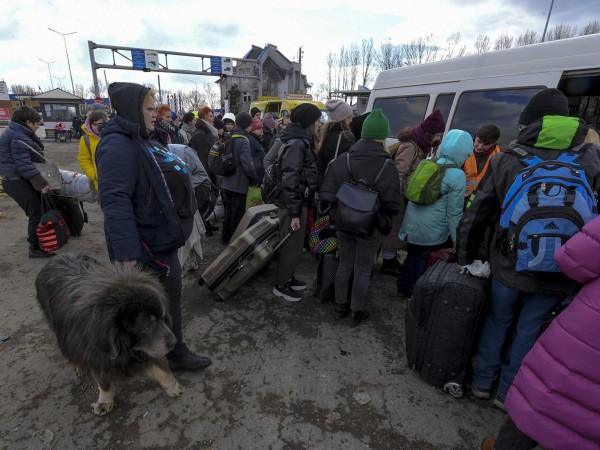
[[278, 107]]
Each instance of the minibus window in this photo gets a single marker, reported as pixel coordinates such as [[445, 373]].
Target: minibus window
[[500, 107], [403, 112], [443, 102]]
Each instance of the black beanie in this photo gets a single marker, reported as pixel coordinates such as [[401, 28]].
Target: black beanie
[[549, 102], [243, 120], [254, 111], [218, 124], [305, 114]]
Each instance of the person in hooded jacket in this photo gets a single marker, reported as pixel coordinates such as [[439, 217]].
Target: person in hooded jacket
[[20, 179], [87, 145], [554, 399], [367, 158], [148, 202], [234, 187], [205, 136], [256, 147], [228, 123], [429, 227], [269, 130], [187, 128], [298, 185], [521, 297], [335, 137], [414, 145]]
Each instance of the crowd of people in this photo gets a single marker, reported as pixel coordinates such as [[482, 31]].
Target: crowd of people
[[150, 167]]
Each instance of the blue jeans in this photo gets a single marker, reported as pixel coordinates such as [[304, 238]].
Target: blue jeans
[[504, 302]]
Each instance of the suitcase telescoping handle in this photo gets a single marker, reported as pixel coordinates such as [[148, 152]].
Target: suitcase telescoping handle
[[281, 242]]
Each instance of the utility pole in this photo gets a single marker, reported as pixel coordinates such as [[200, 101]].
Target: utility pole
[[547, 20]]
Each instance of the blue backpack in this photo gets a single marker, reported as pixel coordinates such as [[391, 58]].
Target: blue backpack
[[546, 204]]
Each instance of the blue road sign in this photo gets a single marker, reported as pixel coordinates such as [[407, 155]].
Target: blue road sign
[[138, 58], [216, 65]]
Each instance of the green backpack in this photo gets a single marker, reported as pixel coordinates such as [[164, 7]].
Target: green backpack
[[425, 183]]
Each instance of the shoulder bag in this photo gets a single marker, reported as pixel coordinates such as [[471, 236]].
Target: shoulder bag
[[48, 170]]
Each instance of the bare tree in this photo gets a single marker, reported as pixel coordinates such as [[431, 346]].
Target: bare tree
[[454, 47], [80, 91], [561, 31], [482, 44], [385, 57], [24, 89], [101, 88], [330, 63], [354, 60], [419, 51], [503, 41], [367, 55], [320, 92], [342, 69], [211, 94], [591, 28], [527, 38]]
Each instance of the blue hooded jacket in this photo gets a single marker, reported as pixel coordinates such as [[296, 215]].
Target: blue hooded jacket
[[140, 219], [433, 224]]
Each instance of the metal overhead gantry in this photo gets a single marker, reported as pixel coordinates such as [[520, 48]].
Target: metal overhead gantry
[[150, 61]]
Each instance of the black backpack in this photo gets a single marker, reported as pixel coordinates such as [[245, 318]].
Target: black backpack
[[220, 158]]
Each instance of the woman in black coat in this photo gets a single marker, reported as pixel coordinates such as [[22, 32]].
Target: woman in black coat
[[20, 179]]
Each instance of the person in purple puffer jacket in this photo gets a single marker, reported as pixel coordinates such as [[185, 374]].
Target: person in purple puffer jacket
[[554, 400]]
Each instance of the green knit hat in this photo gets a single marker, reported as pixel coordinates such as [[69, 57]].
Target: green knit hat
[[376, 126]]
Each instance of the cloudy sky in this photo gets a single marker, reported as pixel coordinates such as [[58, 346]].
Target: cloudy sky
[[230, 27]]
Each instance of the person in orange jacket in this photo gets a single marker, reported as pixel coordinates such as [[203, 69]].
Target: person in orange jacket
[[485, 146]]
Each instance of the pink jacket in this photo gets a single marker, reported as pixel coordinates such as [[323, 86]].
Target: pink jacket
[[555, 397]]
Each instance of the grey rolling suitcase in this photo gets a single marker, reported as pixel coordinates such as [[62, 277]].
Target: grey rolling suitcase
[[252, 216], [441, 325], [243, 258]]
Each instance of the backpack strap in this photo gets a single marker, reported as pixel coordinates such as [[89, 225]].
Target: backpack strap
[[86, 139], [387, 160]]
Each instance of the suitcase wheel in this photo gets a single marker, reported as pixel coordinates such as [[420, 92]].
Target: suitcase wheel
[[200, 282], [454, 389]]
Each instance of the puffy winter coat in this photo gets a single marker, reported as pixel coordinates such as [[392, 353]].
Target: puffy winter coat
[[87, 156], [245, 174], [15, 156], [546, 139], [555, 397], [140, 218], [327, 151], [366, 159], [433, 224]]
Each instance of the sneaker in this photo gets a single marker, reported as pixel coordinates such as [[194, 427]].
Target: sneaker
[[391, 267], [499, 403], [481, 392], [286, 293], [39, 253], [296, 285]]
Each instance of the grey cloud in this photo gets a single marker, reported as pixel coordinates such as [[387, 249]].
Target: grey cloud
[[9, 31]]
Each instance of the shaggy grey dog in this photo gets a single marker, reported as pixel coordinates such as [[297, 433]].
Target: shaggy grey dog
[[111, 322]]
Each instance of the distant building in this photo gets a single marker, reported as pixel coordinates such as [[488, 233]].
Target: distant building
[[57, 104], [280, 76]]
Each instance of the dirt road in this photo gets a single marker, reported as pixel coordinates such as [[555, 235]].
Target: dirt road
[[284, 376]]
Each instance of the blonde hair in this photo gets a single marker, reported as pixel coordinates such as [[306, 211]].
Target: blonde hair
[[149, 95], [592, 137]]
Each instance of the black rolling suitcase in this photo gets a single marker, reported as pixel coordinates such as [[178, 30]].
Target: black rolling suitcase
[[441, 324], [73, 213]]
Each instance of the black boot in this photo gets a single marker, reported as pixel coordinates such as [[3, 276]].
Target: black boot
[[359, 317], [188, 362], [341, 310], [39, 253]]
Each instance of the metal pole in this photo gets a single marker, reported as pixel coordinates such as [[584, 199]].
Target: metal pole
[[547, 20], [91, 47], [159, 90], [49, 73], [67, 52]]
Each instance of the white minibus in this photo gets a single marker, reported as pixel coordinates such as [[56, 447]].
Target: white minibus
[[493, 87]]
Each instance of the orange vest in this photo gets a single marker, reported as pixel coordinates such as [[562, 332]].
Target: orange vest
[[470, 168]]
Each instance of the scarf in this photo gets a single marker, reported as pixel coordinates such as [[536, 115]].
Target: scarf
[[212, 129], [189, 129], [88, 127]]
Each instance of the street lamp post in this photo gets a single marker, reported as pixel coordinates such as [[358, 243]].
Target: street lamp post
[[547, 20], [67, 52], [49, 73], [58, 78]]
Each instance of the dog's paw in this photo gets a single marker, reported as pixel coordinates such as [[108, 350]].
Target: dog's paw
[[174, 389], [101, 409]]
